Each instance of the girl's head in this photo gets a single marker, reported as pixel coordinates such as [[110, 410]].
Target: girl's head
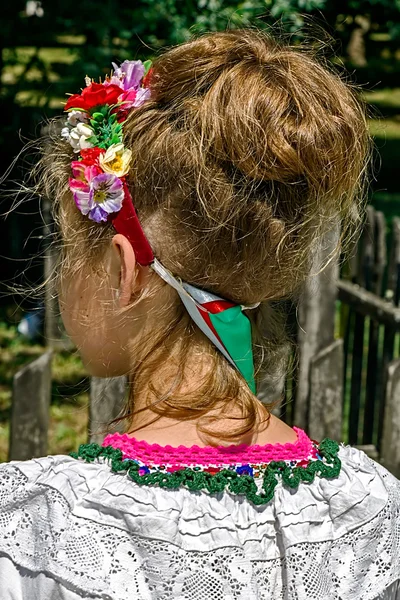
[[245, 154]]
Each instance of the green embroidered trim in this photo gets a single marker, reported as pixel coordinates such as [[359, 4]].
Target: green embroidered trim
[[328, 468]]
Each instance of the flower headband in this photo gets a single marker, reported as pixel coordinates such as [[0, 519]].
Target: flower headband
[[94, 129]]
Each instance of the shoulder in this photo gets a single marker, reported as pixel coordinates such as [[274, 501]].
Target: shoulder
[[376, 494], [46, 531], [62, 474], [343, 534], [369, 483], [362, 499]]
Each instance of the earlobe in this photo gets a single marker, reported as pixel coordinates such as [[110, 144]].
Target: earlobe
[[124, 268]]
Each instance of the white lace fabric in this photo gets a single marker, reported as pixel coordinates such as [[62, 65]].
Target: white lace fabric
[[72, 530]]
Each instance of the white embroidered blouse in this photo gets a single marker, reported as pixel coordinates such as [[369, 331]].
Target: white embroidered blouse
[[132, 521]]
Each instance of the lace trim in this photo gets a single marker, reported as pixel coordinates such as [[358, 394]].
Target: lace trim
[[236, 480], [183, 455]]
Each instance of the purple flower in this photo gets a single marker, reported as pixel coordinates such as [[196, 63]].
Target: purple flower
[[98, 196], [129, 74]]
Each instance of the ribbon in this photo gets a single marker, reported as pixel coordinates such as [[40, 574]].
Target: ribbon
[[223, 322]]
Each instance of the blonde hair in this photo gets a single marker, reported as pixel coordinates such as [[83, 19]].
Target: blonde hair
[[247, 153]]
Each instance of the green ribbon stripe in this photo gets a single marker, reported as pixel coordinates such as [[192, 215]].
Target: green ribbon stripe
[[234, 329]]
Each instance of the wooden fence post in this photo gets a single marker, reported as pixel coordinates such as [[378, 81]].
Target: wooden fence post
[[316, 320], [271, 392], [326, 392], [30, 409], [390, 444], [373, 283], [106, 401], [393, 285]]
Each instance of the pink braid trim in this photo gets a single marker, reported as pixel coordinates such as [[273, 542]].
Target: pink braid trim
[[154, 454]]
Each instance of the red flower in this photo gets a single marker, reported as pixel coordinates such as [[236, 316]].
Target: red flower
[[90, 156], [147, 79], [94, 95]]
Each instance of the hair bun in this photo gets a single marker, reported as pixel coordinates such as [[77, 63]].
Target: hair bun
[[253, 148]]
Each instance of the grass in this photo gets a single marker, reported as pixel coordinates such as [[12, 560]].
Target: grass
[[70, 399], [386, 129], [32, 70], [384, 121], [25, 61], [383, 99]]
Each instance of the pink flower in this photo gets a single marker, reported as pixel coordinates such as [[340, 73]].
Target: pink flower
[[132, 99], [84, 172], [128, 97]]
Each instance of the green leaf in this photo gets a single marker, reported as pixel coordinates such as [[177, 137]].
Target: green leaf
[[98, 116], [147, 66], [93, 140], [116, 139]]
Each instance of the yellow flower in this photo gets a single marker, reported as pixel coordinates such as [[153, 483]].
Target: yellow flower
[[116, 160]]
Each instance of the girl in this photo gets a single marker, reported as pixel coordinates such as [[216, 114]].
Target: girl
[[189, 196]]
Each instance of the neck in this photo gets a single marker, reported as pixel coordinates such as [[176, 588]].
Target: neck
[[269, 430], [183, 391], [179, 390], [185, 426]]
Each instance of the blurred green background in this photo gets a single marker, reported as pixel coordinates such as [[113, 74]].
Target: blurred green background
[[46, 49]]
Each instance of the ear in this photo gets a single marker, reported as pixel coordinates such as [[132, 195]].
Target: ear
[[124, 268]]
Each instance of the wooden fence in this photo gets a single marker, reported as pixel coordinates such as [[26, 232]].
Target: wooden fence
[[346, 379], [31, 398]]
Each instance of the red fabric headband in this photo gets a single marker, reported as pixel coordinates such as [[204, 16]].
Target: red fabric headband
[[127, 223]]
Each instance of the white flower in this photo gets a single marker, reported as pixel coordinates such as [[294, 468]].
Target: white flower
[[77, 116], [116, 160], [65, 133], [78, 136]]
